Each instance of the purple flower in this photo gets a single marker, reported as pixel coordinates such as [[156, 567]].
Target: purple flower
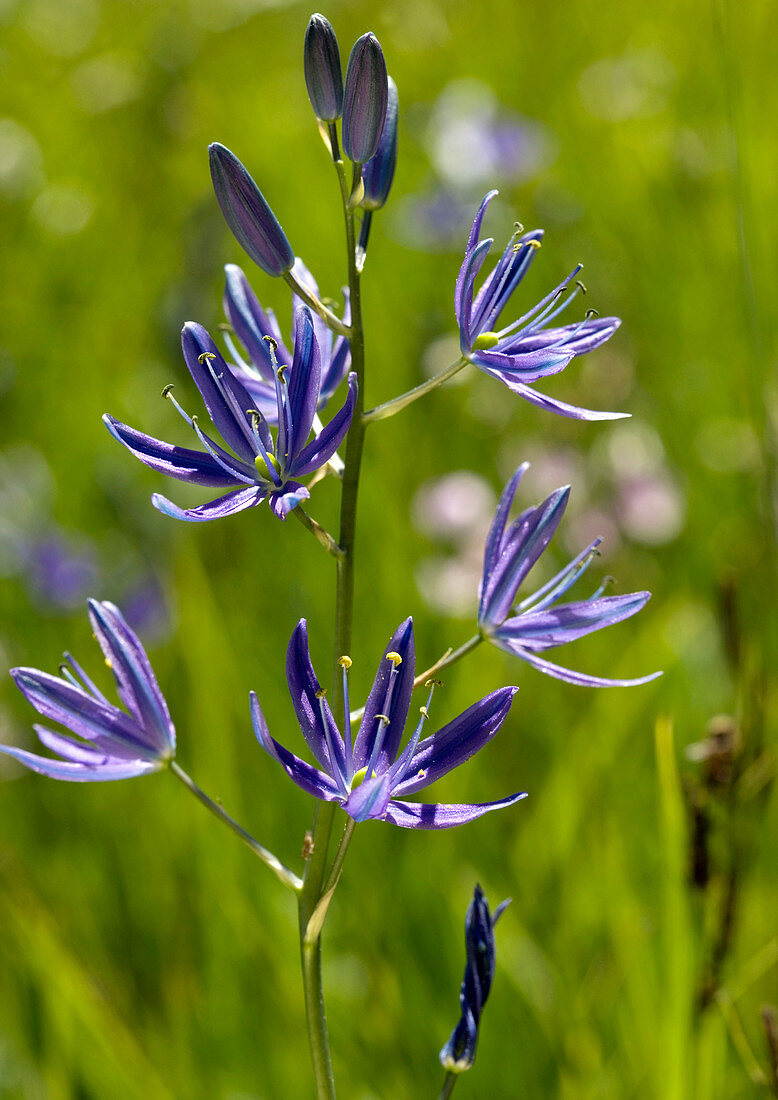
[[459, 1052], [527, 349], [368, 777], [536, 624], [261, 466], [247, 213], [113, 744], [364, 99], [252, 324]]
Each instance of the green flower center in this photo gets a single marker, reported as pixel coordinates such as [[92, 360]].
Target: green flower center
[[485, 341]]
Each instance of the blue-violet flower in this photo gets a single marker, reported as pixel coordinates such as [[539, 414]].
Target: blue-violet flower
[[262, 467], [459, 1052], [368, 778], [252, 325], [536, 624], [113, 744], [525, 350]]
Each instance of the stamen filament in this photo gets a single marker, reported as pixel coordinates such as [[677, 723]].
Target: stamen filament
[[549, 298], [559, 584], [227, 467], [401, 768], [383, 719], [345, 664], [335, 770], [86, 680]]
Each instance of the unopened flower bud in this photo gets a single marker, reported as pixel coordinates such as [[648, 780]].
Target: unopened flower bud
[[365, 99], [323, 75], [378, 173], [248, 215]]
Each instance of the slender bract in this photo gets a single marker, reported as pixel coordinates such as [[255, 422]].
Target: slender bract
[[458, 1054], [264, 468], [364, 99], [527, 349], [110, 743], [323, 75], [539, 622], [370, 777], [248, 215]]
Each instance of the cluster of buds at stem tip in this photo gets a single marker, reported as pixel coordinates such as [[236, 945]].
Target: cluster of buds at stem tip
[[247, 213]]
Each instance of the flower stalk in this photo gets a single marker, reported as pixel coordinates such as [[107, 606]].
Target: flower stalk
[[389, 408]]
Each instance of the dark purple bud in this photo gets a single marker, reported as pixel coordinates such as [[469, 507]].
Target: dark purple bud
[[378, 173], [247, 214], [365, 98], [323, 75]]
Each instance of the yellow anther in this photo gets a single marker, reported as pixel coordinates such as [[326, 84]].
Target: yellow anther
[[167, 389], [345, 662], [384, 718], [109, 663], [591, 313], [579, 284], [224, 327], [205, 355], [424, 711], [518, 227], [281, 372], [273, 343], [395, 658], [437, 683], [321, 693]]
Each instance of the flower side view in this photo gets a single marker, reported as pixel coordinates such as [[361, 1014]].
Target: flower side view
[[536, 624], [368, 777], [525, 350], [458, 1054], [112, 743], [260, 335], [264, 468]]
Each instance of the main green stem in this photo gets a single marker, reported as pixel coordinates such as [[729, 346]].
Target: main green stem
[[313, 877], [448, 1085]]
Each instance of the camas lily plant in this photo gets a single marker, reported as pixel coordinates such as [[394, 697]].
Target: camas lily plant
[[526, 350], [368, 777], [260, 334], [110, 743], [539, 623], [262, 467]]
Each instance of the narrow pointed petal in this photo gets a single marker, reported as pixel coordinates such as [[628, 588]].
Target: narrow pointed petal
[[303, 688], [304, 381], [568, 674], [247, 213], [308, 778], [225, 398], [135, 679], [497, 530], [86, 716], [370, 799], [468, 274], [455, 742], [518, 554], [214, 509], [80, 773], [99, 750], [179, 462], [420, 815], [251, 323], [538, 630], [282, 501], [326, 443], [551, 404], [371, 727]]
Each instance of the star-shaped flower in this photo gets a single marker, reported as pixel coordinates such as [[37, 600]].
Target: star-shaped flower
[[368, 778], [261, 466], [527, 349], [112, 743], [256, 327], [537, 623]]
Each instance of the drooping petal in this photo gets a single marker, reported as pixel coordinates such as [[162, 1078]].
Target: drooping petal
[[226, 400], [378, 740], [454, 743], [567, 674], [86, 716], [81, 773], [310, 779], [552, 404], [282, 501], [136, 683], [370, 799], [303, 688], [519, 552], [304, 381], [538, 630], [214, 509], [420, 815], [179, 462], [326, 443]]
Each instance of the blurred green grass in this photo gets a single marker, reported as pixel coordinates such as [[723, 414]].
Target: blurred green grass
[[142, 953]]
